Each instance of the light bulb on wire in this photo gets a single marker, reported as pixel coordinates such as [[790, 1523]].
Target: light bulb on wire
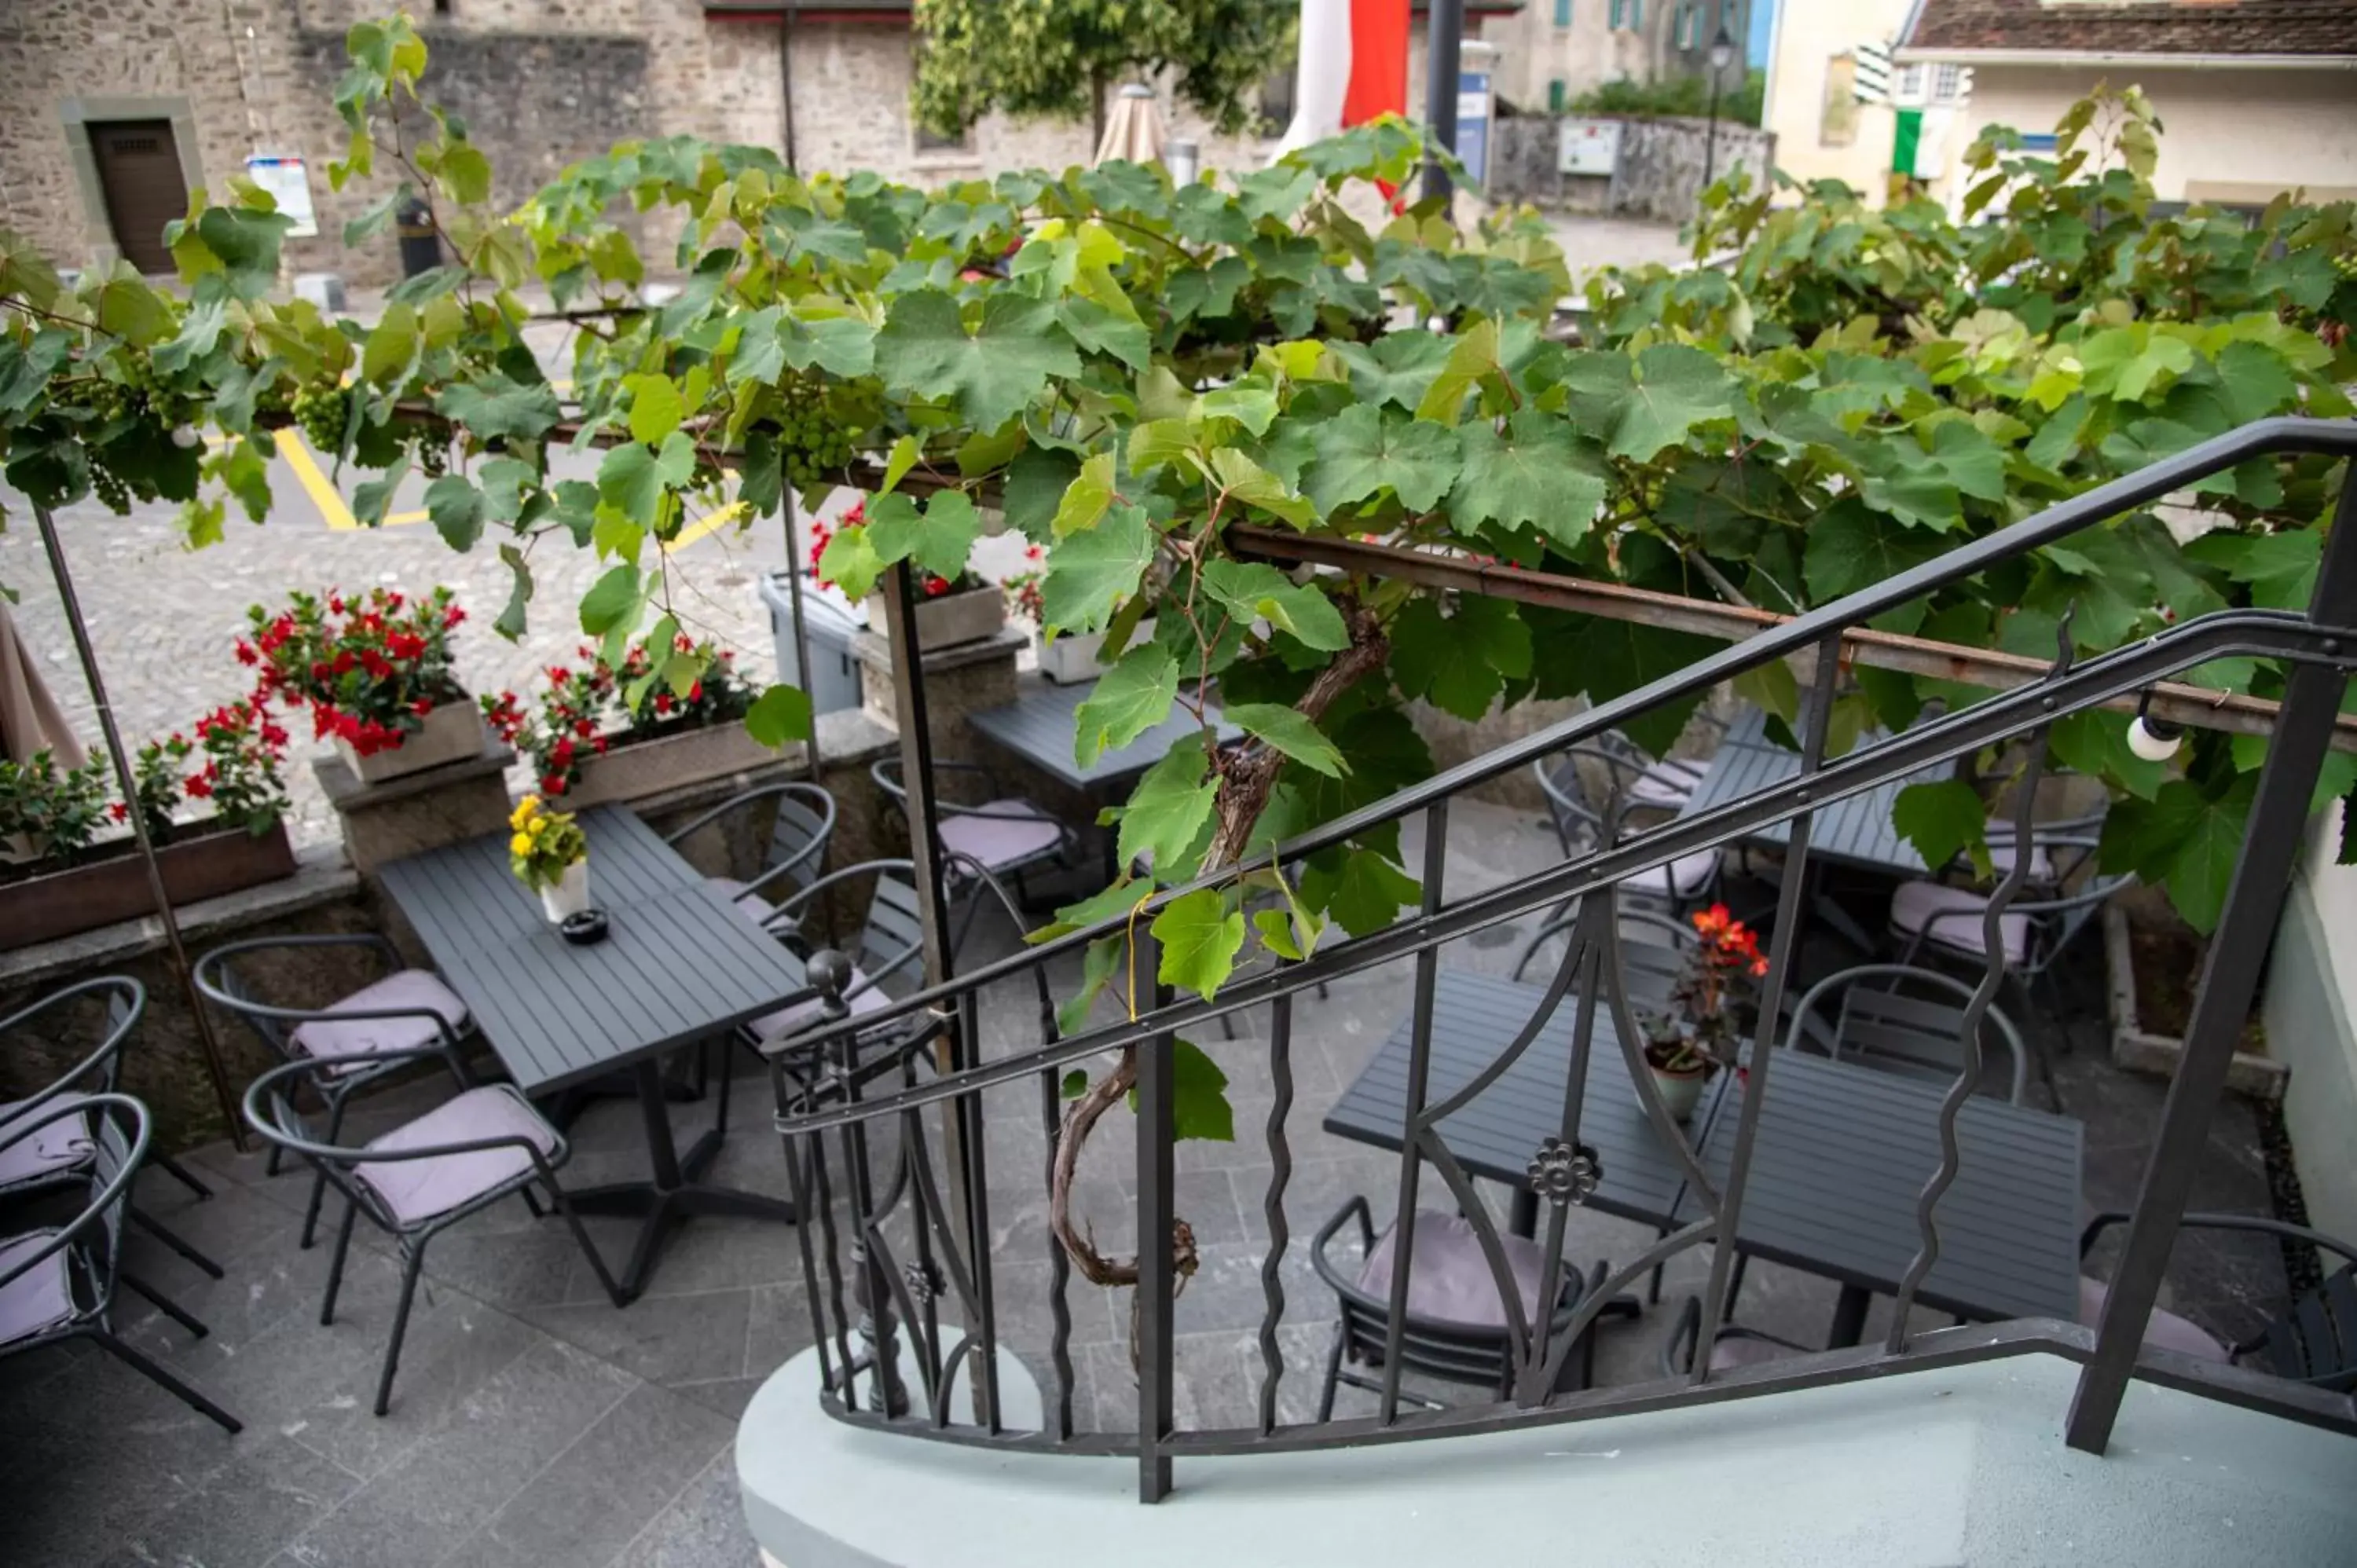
[[2155, 740]]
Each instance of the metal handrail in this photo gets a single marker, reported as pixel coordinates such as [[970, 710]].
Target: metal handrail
[[2317, 647]]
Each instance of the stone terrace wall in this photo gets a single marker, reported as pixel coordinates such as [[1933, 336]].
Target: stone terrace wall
[[1661, 165]]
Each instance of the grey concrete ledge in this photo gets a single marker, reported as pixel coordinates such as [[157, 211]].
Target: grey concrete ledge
[[1951, 1465], [347, 794], [321, 877], [871, 649]]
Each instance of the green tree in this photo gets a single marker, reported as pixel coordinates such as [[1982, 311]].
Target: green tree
[[1057, 57]]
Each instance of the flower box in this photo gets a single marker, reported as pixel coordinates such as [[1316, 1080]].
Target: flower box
[[967, 616], [453, 732], [633, 769], [1078, 657], [114, 885]]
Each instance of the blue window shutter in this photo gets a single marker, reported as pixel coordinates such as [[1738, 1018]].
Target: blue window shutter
[[1562, 13], [1619, 14], [1554, 96]]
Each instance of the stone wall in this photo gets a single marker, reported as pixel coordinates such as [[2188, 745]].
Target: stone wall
[[1659, 175]]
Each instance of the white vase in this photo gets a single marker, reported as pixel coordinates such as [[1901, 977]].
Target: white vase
[[1680, 1091], [569, 895]]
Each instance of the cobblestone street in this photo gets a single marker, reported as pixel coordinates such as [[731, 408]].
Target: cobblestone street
[[163, 616]]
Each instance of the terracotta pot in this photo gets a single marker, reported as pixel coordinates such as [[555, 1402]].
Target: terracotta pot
[[967, 616], [634, 769], [115, 886], [569, 894], [453, 732]]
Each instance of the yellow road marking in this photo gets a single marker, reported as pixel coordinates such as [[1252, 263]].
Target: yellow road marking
[[323, 494], [710, 522]]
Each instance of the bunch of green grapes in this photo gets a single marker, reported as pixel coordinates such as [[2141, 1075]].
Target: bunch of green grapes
[[431, 450], [816, 440], [320, 410], [108, 487]]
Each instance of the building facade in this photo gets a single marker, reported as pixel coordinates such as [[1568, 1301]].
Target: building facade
[[112, 116]]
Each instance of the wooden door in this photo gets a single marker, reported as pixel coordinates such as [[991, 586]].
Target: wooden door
[[139, 174]]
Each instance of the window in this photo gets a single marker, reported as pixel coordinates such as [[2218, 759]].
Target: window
[[1558, 94], [1908, 87], [1628, 16], [931, 145], [1729, 20], [1837, 118], [1562, 13], [1947, 83], [1276, 100], [1687, 35]]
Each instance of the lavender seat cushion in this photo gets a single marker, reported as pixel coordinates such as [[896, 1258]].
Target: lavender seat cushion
[[1012, 832], [1682, 878], [1450, 1279], [2164, 1330], [335, 1039], [38, 1298], [1666, 783], [2000, 850], [1915, 903], [60, 1146], [417, 1190], [859, 997]]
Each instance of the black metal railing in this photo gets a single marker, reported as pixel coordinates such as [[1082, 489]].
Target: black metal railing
[[920, 1234]]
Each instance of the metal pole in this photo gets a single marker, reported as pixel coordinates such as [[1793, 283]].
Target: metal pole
[[1710, 136], [1154, 1310], [2229, 976], [128, 783], [1443, 56], [786, 85], [802, 631]]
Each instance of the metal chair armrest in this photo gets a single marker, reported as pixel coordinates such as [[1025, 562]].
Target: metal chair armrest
[[2251, 1222], [1354, 1205], [116, 1190], [93, 987], [261, 1087]]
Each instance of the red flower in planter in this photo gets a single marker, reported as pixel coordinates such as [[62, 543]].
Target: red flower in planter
[[370, 664], [198, 786], [581, 704]]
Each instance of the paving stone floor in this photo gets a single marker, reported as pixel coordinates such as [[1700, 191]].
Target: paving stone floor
[[534, 1424]]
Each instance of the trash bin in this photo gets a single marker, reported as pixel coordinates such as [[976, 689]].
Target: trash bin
[[421, 247], [828, 621]]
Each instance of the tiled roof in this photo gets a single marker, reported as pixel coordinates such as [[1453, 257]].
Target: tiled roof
[[2153, 27]]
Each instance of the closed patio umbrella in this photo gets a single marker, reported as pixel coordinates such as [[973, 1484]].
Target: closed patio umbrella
[[30, 719], [1133, 129]]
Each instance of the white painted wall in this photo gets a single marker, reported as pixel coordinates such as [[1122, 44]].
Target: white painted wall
[[1808, 35], [2228, 133], [2310, 1000]]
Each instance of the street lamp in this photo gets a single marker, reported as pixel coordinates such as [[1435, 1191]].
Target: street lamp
[[1720, 55]]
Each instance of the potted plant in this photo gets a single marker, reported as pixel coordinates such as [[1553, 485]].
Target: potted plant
[[1709, 1009], [550, 854], [376, 670], [85, 875], [589, 746], [950, 612]]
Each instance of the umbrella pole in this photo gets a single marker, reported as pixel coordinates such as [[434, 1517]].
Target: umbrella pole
[[129, 784]]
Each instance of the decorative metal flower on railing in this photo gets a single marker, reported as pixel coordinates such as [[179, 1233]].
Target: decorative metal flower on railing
[[1566, 1173]]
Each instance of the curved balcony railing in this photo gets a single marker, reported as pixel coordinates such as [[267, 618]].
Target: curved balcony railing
[[916, 1255]]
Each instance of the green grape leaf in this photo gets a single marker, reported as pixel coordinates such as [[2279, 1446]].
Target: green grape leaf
[[850, 563], [1638, 405], [1943, 821], [781, 713], [1131, 698], [1086, 497], [1199, 939], [613, 602], [1247, 481], [939, 539], [1362, 451], [1091, 572], [1258, 590], [990, 373], [1169, 814], [1537, 473], [1368, 893], [1034, 490], [1198, 1096], [1850, 547], [456, 508], [1396, 368], [1099, 963], [656, 407], [492, 407], [1291, 732]]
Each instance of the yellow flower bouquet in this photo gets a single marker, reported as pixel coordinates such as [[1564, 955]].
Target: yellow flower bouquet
[[550, 854]]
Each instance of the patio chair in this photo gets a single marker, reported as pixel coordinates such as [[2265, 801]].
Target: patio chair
[[41, 1165], [1456, 1330], [359, 1039], [2314, 1343], [2032, 933], [1651, 967], [1733, 1345], [58, 1282], [420, 1178], [802, 822], [1006, 835], [1886, 1020], [891, 940], [1583, 823], [1664, 781]]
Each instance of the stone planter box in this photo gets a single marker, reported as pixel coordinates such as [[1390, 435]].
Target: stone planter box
[[2260, 1077], [651, 767], [453, 732], [115, 886], [1073, 659], [966, 616]]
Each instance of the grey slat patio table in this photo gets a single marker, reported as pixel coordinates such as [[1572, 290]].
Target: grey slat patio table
[[1475, 1017], [1840, 1156], [680, 966]]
